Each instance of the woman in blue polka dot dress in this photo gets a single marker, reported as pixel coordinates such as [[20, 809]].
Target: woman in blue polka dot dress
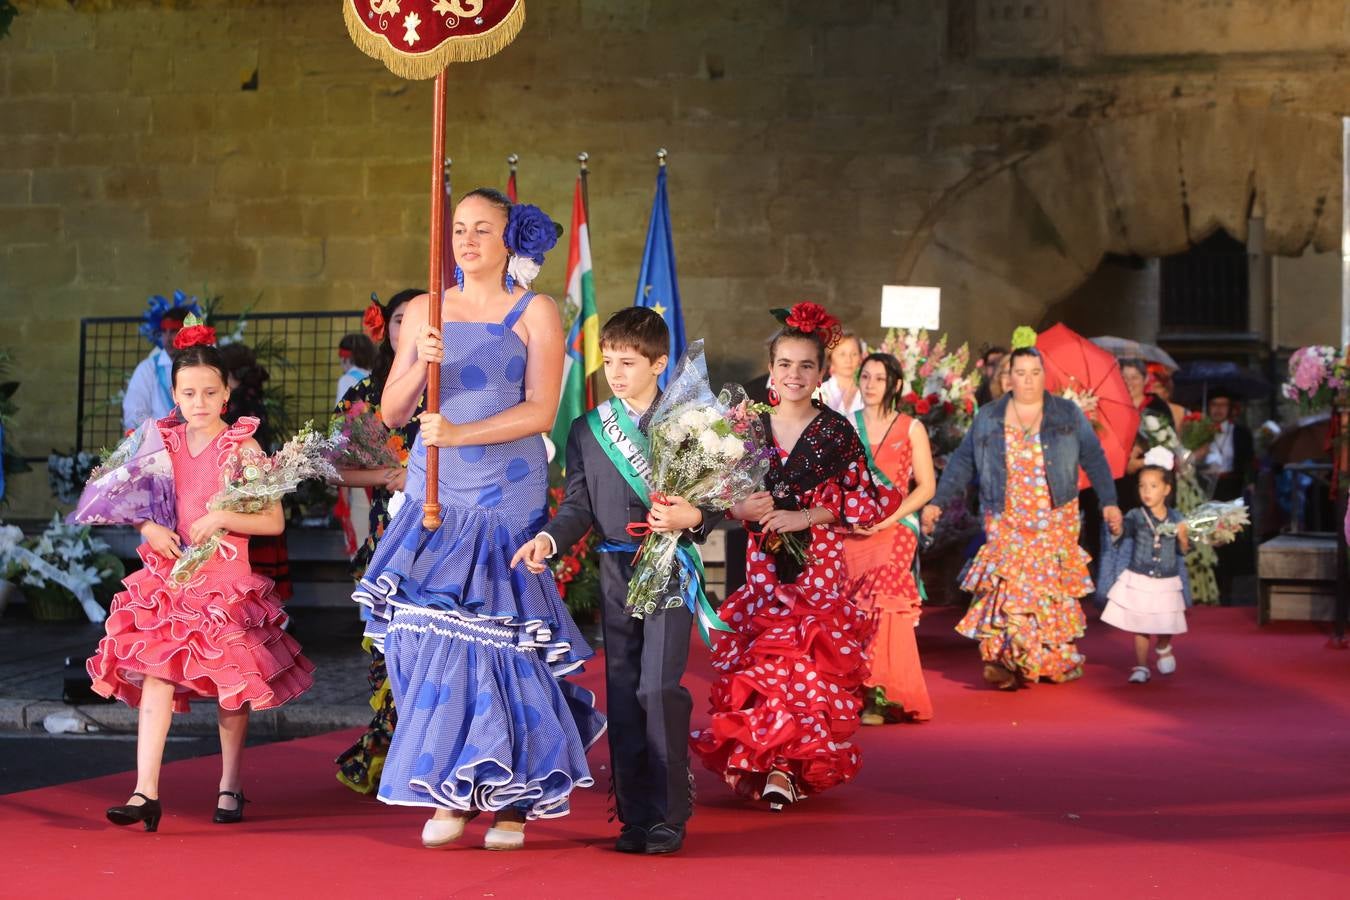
[[477, 651]]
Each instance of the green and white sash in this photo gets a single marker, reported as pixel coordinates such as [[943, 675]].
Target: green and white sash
[[910, 521], [628, 449]]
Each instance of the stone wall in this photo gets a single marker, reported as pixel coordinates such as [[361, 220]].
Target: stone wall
[[817, 150]]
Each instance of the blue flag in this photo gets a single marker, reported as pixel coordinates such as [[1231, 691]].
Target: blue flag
[[657, 287]]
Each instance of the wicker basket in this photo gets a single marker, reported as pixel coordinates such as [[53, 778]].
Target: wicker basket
[[52, 603]]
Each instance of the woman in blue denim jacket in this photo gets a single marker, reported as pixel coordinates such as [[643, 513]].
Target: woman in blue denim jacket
[[1025, 449]]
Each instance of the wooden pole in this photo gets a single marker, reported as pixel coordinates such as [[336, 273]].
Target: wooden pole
[[431, 509]]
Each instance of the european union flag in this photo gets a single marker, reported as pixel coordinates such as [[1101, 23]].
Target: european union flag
[[657, 287]]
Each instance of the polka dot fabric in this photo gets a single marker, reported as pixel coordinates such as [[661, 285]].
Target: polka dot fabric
[[477, 651], [1029, 575], [788, 698]]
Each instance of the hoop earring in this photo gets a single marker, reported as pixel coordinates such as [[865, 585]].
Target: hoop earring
[[774, 399], [459, 278]]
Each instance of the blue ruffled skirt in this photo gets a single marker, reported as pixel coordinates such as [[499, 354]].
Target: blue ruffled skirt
[[477, 653]]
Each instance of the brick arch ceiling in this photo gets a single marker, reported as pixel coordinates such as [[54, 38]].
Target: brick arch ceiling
[[1011, 240]]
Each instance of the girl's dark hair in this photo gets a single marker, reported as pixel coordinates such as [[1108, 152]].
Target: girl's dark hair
[[241, 363], [893, 376], [792, 334], [384, 358], [361, 348], [198, 355], [1024, 351], [1169, 478]]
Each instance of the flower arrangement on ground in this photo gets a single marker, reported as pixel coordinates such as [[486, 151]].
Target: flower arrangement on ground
[[62, 571]]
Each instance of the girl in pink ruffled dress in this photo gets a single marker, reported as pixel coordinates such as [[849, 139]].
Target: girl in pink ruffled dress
[[218, 637]]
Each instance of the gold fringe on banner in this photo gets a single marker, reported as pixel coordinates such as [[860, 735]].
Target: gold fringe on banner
[[432, 63]]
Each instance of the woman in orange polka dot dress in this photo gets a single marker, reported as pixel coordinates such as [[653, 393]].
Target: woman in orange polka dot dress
[[788, 701], [1026, 449]]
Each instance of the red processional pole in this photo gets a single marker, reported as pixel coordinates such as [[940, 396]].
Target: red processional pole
[[419, 39]]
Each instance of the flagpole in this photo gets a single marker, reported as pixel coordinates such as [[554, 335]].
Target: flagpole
[[431, 508], [512, 189], [661, 157], [582, 158], [593, 379]]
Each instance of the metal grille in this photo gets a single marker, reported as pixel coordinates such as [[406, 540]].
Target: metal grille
[[299, 351], [1206, 288]]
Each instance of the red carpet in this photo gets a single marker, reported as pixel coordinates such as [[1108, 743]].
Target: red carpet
[[1230, 779]]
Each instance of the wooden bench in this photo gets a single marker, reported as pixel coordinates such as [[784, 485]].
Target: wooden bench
[[1297, 578]]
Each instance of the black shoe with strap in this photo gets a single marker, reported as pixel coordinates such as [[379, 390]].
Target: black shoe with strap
[[230, 816], [664, 838], [632, 839], [148, 812]]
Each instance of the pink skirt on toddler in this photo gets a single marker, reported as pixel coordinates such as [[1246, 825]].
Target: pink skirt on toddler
[[1143, 605]]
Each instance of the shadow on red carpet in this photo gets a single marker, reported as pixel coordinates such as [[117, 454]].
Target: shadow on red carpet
[[1229, 779]]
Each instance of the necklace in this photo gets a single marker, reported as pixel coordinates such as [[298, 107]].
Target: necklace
[[1027, 430], [1153, 530]]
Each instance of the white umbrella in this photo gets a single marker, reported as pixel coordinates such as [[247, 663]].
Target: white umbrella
[[1124, 348]]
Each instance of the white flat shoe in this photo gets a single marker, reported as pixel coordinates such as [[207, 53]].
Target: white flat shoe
[[1139, 675], [1167, 663], [502, 839], [438, 833]]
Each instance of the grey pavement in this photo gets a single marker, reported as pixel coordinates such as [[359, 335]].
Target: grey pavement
[[32, 671]]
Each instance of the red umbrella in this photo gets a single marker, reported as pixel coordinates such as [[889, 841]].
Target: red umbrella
[[1078, 368]]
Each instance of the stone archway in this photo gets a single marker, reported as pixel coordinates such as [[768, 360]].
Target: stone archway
[[1014, 238]]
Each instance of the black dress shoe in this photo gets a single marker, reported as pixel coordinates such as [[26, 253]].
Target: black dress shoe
[[632, 839], [664, 838], [148, 812], [230, 816]]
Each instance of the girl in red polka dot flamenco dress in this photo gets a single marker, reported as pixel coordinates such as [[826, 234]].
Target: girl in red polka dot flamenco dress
[[789, 697], [219, 635]]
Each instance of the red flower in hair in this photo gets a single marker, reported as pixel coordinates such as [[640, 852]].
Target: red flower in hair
[[193, 335], [372, 322], [811, 318]]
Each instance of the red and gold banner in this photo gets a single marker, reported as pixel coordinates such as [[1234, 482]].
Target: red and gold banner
[[419, 38]]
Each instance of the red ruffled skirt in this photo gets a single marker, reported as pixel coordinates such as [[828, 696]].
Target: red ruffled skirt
[[218, 638], [789, 698]]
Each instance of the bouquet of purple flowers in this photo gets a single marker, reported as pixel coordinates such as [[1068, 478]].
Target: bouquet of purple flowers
[[134, 484]]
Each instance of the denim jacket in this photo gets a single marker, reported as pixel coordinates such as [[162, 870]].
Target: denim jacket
[[1162, 562], [1067, 439]]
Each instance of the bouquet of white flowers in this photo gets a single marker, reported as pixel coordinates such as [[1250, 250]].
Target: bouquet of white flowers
[[709, 449], [1213, 523]]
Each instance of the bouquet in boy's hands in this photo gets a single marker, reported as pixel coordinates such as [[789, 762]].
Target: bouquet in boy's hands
[[254, 481], [710, 450], [363, 441], [1213, 523]]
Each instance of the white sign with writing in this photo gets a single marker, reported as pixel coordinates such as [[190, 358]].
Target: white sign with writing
[[910, 307]]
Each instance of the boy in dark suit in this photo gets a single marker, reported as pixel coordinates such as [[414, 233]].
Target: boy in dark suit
[[648, 708]]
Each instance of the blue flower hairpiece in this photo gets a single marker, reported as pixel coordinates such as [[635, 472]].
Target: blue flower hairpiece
[[150, 327], [530, 232]]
